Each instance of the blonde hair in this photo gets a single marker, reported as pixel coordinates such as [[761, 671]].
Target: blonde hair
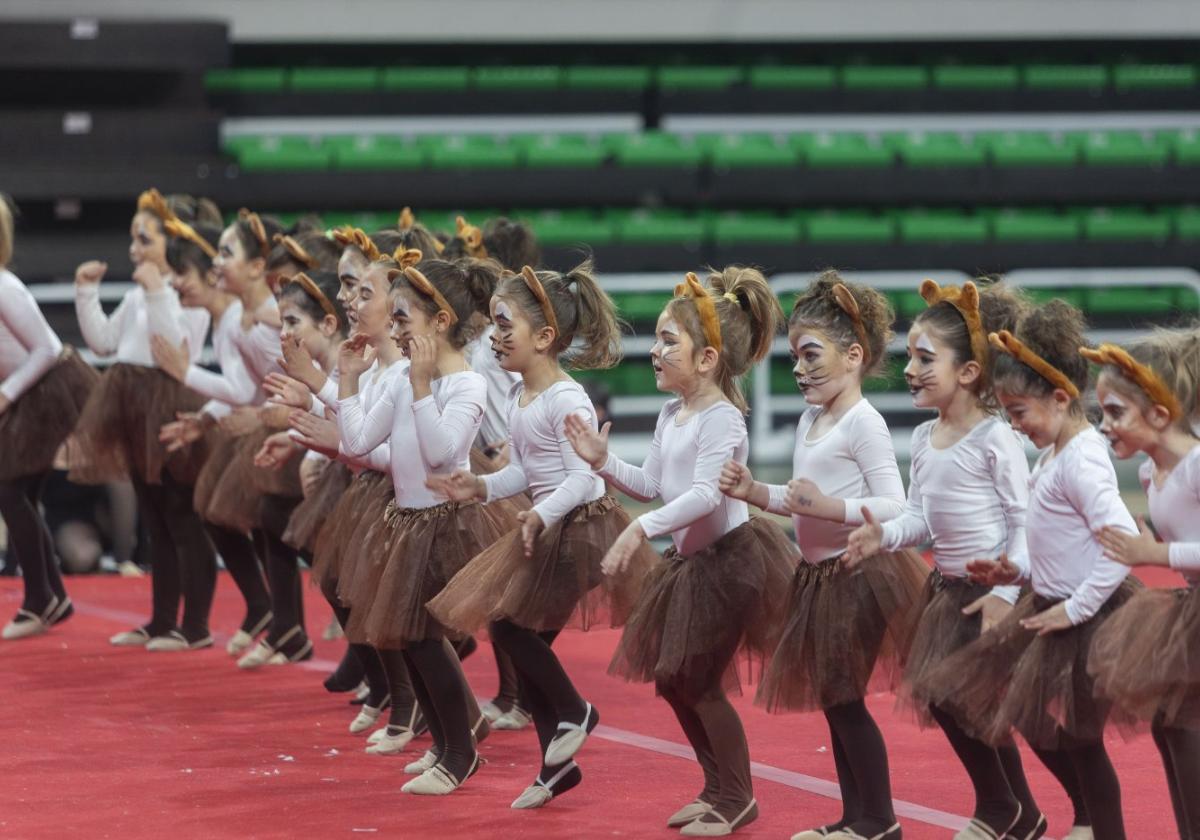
[[6, 231], [1174, 357]]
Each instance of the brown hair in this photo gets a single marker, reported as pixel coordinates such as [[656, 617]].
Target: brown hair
[[1053, 331], [1173, 356], [326, 282], [256, 233], [749, 316], [1000, 308], [319, 252], [184, 253], [6, 231], [585, 314], [511, 243], [466, 285], [822, 306]]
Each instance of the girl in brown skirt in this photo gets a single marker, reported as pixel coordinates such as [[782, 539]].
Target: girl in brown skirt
[[848, 624], [118, 430], [1030, 671], [43, 388], [720, 586], [431, 418], [527, 586], [1144, 657], [968, 490]]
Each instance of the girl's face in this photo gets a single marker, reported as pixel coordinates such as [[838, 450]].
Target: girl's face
[[235, 270], [931, 373], [298, 324], [371, 307], [148, 241], [408, 319], [514, 340], [352, 265], [1124, 423], [195, 289], [822, 370], [1040, 419], [673, 357]]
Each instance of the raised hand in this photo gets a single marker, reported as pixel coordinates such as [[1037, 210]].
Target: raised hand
[[315, 432], [298, 363], [736, 480], [149, 276], [274, 415], [422, 356], [187, 428], [590, 445], [171, 360], [355, 356], [458, 486], [998, 572], [285, 390], [1141, 549], [90, 272], [276, 451], [865, 541]]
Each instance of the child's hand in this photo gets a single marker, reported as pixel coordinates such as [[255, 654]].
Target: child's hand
[[184, 430], [736, 480], [315, 432], [355, 356], [459, 486], [1049, 621], [993, 607], [298, 363], [617, 559], [276, 451], [241, 422], [590, 445], [90, 272], [1142, 549], [531, 526], [149, 277], [998, 572], [273, 415], [864, 542], [285, 390], [311, 470], [422, 356], [171, 360]]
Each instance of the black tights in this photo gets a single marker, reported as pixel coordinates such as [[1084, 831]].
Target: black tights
[[997, 776], [29, 541], [1087, 775], [861, 759], [508, 694], [283, 570], [183, 563], [237, 552], [437, 681], [1180, 752]]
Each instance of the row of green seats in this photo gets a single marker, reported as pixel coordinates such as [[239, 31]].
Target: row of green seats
[[1123, 76], [721, 151]]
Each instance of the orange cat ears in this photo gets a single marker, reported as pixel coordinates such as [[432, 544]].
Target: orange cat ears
[[179, 229], [472, 238], [421, 284], [1006, 342], [257, 230], [539, 293], [705, 307], [313, 291], [356, 237], [849, 304], [296, 251], [152, 201], [1136, 372], [965, 299]]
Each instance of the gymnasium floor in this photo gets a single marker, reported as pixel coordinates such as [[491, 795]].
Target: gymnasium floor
[[102, 742]]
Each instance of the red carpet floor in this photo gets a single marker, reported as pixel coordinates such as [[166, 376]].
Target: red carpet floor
[[102, 742]]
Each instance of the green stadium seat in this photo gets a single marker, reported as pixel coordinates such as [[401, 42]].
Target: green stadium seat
[[640, 306], [426, 79], [890, 378], [660, 228], [655, 148], [1035, 226], [1123, 148], [376, 152], [568, 228], [607, 77], [1132, 301], [1040, 295], [1123, 225], [562, 151], [792, 77], [699, 77], [734, 151], [370, 222], [1150, 76], [1065, 76], [518, 78], [1030, 148], [843, 150], [941, 226], [271, 153], [1187, 222], [780, 376], [975, 77], [940, 149], [756, 227], [908, 303], [334, 79], [1186, 146], [849, 226], [246, 80], [879, 77], [472, 151]]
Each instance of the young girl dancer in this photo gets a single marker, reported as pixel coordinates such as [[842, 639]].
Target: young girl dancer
[[1029, 672], [843, 626], [440, 405], [190, 255], [43, 388], [1143, 658], [119, 428], [530, 583], [721, 585], [967, 494]]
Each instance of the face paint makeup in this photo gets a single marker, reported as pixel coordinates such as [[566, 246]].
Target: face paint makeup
[[925, 345]]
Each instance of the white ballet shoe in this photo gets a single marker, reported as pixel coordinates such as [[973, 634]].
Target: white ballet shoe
[[366, 717], [1039, 828], [1080, 832], [491, 711], [811, 834], [720, 827], [539, 793], [378, 735], [242, 639], [33, 625], [333, 631], [514, 719], [571, 737], [422, 764], [136, 637], [60, 612], [264, 654], [437, 781], [127, 568], [850, 834], [175, 641], [691, 811], [391, 744]]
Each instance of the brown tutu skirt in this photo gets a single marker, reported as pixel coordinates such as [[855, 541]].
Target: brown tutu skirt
[[117, 434], [222, 449], [941, 630], [1146, 657], [1011, 678], [235, 499], [312, 514], [42, 419], [423, 548], [848, 631], [334, 561], [695, 613], [561, 580]]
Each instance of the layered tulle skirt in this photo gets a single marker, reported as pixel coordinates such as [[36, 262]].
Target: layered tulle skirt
[[36, 426], [314, 513]]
